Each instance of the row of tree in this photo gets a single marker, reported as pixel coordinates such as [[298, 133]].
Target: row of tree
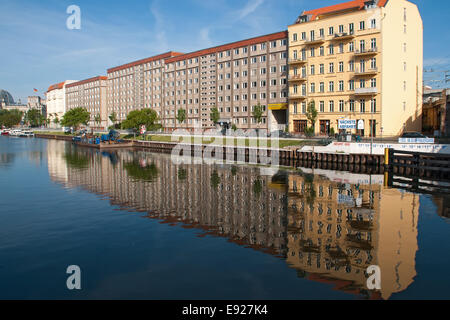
[[10, 118]]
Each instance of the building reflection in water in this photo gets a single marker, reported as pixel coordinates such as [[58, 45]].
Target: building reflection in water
[[329, 226]]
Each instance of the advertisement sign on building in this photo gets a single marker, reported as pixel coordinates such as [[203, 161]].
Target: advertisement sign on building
[[347, 124]]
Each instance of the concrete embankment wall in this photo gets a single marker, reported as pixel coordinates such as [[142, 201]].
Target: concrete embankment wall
[[253, 155]]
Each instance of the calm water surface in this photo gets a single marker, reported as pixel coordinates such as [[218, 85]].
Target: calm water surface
[[142, 227]]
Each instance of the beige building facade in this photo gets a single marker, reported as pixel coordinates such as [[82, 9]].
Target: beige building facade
[[91, 95], [137, 85], [232, 78], [358, 60], [56, 102]]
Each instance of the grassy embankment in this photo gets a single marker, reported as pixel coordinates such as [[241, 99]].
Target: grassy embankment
[[165, 138]]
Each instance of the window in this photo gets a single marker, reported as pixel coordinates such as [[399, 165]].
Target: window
[[331, 68], [404, 85], [362, 83], [312, 54], [362, 25], [341, 28], [351, 46], [313, 87], [341, 66], [351, 28], [321, 68], [341, 48], [295, 108], [331, 106], [373, 83], [313, 70], [404, 47], [294, 37], [373, 105], [373, 63], [322, 51], [351, 66], [321, 33], [341, 85], [341, 105], [322, 106], [362, 105], [404, 14], [351, 85], [303, 35], [331, 86], [352, 105], [373, 23], [331, 49], [322, 87], [330, 31], [404, 66], [373, 43]]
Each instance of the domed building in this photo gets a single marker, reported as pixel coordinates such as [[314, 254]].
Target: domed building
[[6, 98]]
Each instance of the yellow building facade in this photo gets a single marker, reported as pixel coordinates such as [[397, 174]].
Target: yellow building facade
[[361, 64]]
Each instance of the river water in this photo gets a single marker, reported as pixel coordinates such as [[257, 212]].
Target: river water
[[140, 226]]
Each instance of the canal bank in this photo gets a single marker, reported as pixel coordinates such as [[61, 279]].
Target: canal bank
[[249, 154]]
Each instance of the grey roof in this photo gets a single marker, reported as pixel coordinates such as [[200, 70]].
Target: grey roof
[[6, 97]]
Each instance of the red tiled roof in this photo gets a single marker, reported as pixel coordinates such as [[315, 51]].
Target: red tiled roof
[[355, 4], [79, 83], [243, 43], [146, 60], [56, 86]]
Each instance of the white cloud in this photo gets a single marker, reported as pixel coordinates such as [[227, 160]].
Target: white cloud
[[249, 8]]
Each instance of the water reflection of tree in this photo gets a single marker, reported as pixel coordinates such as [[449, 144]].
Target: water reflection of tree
[[310, 191], [76, 160], [257, 187], [182, 174], [140, 171], [215, 179]]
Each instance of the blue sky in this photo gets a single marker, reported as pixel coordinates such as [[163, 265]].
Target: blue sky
[[37, 50]]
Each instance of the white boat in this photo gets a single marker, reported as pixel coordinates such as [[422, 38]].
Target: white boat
[[26, 134], [15, 133]]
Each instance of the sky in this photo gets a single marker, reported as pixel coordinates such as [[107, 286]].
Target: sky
[[37, 49]]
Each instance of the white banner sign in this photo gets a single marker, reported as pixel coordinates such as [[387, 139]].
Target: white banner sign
[[416, 140], [347, 124]]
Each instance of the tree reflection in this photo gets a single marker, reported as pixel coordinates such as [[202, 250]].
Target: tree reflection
[[140, 170]]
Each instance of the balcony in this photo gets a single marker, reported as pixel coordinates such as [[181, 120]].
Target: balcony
[[297, 95], [366, 72], [297, 61], [343, 36], [297, 77], [366, 91], [314, 41], [366, 52]]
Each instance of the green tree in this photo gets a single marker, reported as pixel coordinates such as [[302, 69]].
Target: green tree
[[234, 127], [75, 117], [56, 120], [34, 117], [257, 113], [181, 115], [311, 114], [144, 117], [10, 118], [214, 115]]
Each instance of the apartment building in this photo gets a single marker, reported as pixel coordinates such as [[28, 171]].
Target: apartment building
[[91, 95], [56, 102], [234, 78], [361, 63], [137, 85]]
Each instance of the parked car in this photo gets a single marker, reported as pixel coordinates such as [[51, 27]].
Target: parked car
[[416, 135], [67, 130]]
